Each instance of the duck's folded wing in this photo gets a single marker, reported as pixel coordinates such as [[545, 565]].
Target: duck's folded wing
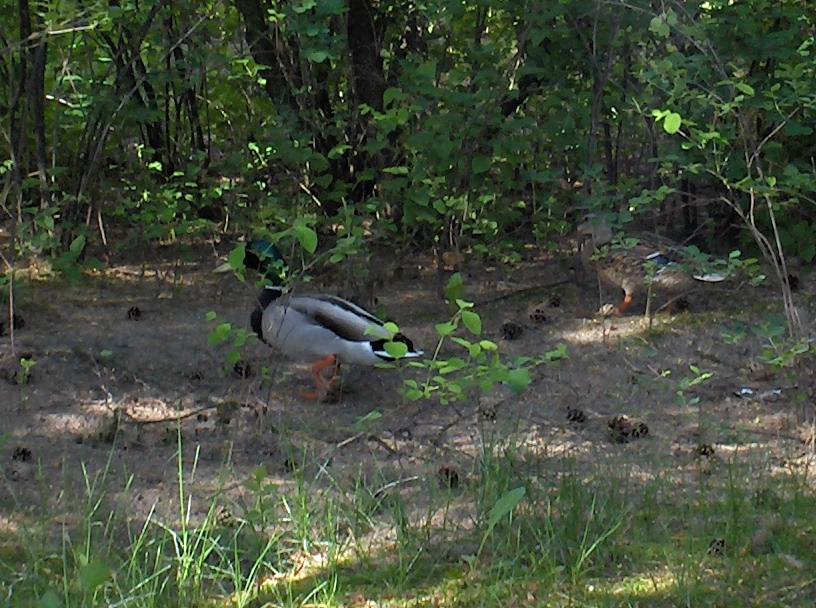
[[345, 319]]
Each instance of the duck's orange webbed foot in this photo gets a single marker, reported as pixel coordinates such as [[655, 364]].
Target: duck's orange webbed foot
[[323, 386], [627, 300]]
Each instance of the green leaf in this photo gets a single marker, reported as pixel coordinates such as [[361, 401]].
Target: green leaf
[[807, 251], [472, 321], [454, 364], [323, 181], [364, 421], [220, 333], [388, 326], [94, 264], [304, 6], [50, 599], [454, 287], [426, 71], [745, 88], [672, 123], [794, 128], [338, 151], [396, 349], [393, 94], [72, 274], [236, 257], [480, 164], [518, 380], [445, 329], [505, 505], [77, 245], [462, 342], [93, 575], [396, 170], [558, 353], [306, 237], [488, 345], [317, 56]]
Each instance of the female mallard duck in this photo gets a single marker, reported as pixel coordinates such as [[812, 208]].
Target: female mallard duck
[[630, 268], [324, 329]]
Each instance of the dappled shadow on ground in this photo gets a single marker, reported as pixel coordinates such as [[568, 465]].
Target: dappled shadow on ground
[[112, 391]]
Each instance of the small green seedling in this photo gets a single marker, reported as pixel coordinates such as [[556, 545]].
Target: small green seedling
[[24, 373]]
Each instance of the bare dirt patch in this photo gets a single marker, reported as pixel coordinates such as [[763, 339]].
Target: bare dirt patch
[[111, 390]]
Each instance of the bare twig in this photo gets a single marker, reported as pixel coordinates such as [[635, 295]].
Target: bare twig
[[11, 299], [169, 419]]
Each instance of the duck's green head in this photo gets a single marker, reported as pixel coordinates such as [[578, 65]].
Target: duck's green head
[[266, 258]]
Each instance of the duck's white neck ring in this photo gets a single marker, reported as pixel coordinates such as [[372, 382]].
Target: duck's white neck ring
[[269, 294]]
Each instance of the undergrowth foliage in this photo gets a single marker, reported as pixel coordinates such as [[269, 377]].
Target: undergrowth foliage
[[459, 378], [438, 126]]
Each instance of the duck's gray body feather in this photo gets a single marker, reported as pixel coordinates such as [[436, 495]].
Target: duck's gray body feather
[[315, 326]]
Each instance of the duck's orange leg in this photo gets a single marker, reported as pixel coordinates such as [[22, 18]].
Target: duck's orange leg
[[627, 300], [322, 386]]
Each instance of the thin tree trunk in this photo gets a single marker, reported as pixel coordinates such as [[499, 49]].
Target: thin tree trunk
[[37, 94]]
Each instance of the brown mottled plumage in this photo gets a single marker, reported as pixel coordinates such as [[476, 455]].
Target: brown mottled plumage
[[627, 267]]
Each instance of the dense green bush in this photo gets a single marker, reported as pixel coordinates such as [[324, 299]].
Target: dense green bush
[[478, 126]]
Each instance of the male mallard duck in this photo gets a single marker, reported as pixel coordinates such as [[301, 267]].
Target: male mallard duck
[[629, 269], [327, 330]]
